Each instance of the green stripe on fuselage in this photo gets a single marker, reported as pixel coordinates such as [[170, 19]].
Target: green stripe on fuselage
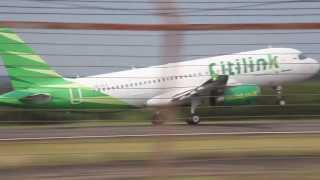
[[63, 98]]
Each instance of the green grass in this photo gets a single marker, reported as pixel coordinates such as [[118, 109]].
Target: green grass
[[310, 174], [90, 151], [298, 175]]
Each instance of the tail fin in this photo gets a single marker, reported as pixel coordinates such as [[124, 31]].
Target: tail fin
[[24, 67]]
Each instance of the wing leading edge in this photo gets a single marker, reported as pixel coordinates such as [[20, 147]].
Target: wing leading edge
[[183, 95]]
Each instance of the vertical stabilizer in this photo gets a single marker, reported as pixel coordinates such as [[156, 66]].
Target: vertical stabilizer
[[25, 68]]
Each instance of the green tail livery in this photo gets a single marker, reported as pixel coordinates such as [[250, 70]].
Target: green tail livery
[[36, 85]]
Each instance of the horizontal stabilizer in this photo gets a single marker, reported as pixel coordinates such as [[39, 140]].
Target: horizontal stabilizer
[[36, 99]]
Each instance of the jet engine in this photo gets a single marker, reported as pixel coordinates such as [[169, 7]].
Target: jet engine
[[238, 95]]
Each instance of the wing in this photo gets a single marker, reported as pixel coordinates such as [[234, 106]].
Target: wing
[[180, 96]]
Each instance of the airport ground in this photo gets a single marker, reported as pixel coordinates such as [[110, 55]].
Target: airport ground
[[286, 149]]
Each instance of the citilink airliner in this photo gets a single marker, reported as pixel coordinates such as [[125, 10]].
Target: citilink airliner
[[229, 79]]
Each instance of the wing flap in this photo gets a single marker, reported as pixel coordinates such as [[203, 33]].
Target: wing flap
[[220, 82]]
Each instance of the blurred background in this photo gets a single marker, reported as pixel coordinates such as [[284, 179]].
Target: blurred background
[[235, 142]]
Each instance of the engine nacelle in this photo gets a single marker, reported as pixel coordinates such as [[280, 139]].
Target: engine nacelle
[[239, 95]]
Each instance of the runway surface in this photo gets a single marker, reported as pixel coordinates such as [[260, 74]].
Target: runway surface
[[235, 128]]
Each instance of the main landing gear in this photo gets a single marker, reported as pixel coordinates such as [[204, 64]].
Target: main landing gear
[[280, 99], [161, 116], [158, 118], [194, 119]]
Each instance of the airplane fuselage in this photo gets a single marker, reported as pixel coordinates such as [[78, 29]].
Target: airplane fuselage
[[266, 67]]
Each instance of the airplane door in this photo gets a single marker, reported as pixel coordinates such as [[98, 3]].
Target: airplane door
[[75, 95]]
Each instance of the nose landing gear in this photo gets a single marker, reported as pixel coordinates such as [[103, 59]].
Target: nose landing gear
[[280, 99]]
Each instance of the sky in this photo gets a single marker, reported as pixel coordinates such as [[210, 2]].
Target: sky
[[86, 49]]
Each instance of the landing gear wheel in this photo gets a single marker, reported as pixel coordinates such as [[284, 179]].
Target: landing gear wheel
[[157, 123], [282, 102], [157, 119], [194, 120], [279, 96]]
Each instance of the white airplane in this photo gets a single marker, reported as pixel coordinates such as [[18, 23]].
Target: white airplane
[[229, 79]]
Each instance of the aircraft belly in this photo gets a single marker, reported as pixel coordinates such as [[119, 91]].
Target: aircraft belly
[[136, 97]]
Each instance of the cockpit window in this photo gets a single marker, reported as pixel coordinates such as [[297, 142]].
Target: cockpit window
[[302, 57]]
